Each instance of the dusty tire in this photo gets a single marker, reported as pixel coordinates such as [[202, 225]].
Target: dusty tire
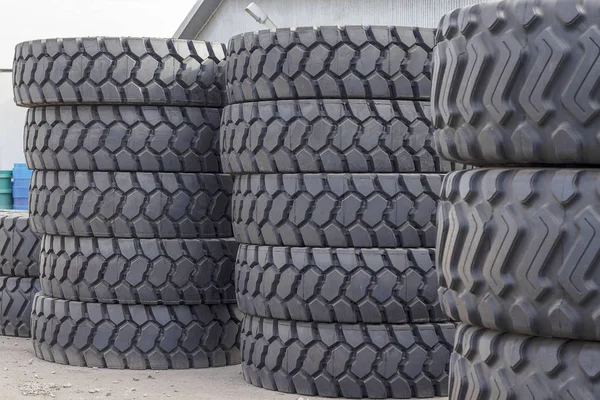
[[135, 336], [130, 204], [345, 360], [373, 286], [336, 210], [16, 300], [138, 271], [330, 62], [123, 138], [19, 245], [488, 364], [111, 70], [518, 250], [514, 82], [329, 136]]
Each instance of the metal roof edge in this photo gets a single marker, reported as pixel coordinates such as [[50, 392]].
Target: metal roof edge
[[197, 18]]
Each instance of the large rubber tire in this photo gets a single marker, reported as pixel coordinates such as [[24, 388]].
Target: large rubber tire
[[488, 364], [344, 360], [372, 286], [123, 138], [135, 336], [515, 82], [518, 250], [16, 300], [336, 210], [330, 62], [139, 271], [19, 245], [129, 204], [329, 136], [111, 70]]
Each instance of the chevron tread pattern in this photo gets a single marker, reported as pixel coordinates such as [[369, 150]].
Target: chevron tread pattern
[[19, 245], [16, 300]]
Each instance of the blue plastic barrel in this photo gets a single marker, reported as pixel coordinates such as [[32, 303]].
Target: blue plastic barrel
[[20, 190]]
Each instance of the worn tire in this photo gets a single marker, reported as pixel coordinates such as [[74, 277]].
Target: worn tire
[[373, 286], [123, 138], [19, 245], [130, 204], [111, 70], [329, 136], [336, 210], [518, 250], [135, 336], [514, 82], [16, 300], [347, 360], [330, 62], [488, 364], [139, 271]]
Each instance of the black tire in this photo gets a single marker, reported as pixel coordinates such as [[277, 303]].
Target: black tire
[[514, 82], [139, 271], [372, 286], [135, 336], [329, 136], [16, 300], [344, 360], [488, 364], [130, 204], [111, 70], [330, 62], [19, 245], [518, 250], [123, 138], [336, 210]]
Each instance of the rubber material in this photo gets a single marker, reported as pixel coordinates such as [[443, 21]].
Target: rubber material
[[19, 245], [344, 360], [518, 250], [16, 300], [372, 286], [135, 336], [330, 62], [123, 138], [329, 136], [336, 210], [515, 82], [104, 70], [124, 204], [489, 364], [139, 271]]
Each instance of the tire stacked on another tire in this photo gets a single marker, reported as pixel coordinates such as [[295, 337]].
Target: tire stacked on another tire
[[137, 259], [515, 87], [336, 186]]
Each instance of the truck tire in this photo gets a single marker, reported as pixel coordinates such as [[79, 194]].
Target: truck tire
[[112, 70], [514, 82], [135, 336], [373, 286], [330, 62], [19, 245], [16, 300], [130, 204], [123, 138], [336, 210], [345, 360]]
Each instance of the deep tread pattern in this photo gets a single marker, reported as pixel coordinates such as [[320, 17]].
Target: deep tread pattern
[[518, 250], [330, 62], [488, 364], [372, 286], [135, 336], [515, 82], [105, 70], [123, 138], [329, 136], [139, 271], [16, 300], [131, 204], [19, 245], [336, 210], [347, 360]]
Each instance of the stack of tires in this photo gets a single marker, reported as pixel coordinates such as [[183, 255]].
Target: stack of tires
[[515, 89], [137, 259], [334, 205]]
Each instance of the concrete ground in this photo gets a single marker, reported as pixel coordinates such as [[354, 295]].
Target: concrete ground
[[23, 376]]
